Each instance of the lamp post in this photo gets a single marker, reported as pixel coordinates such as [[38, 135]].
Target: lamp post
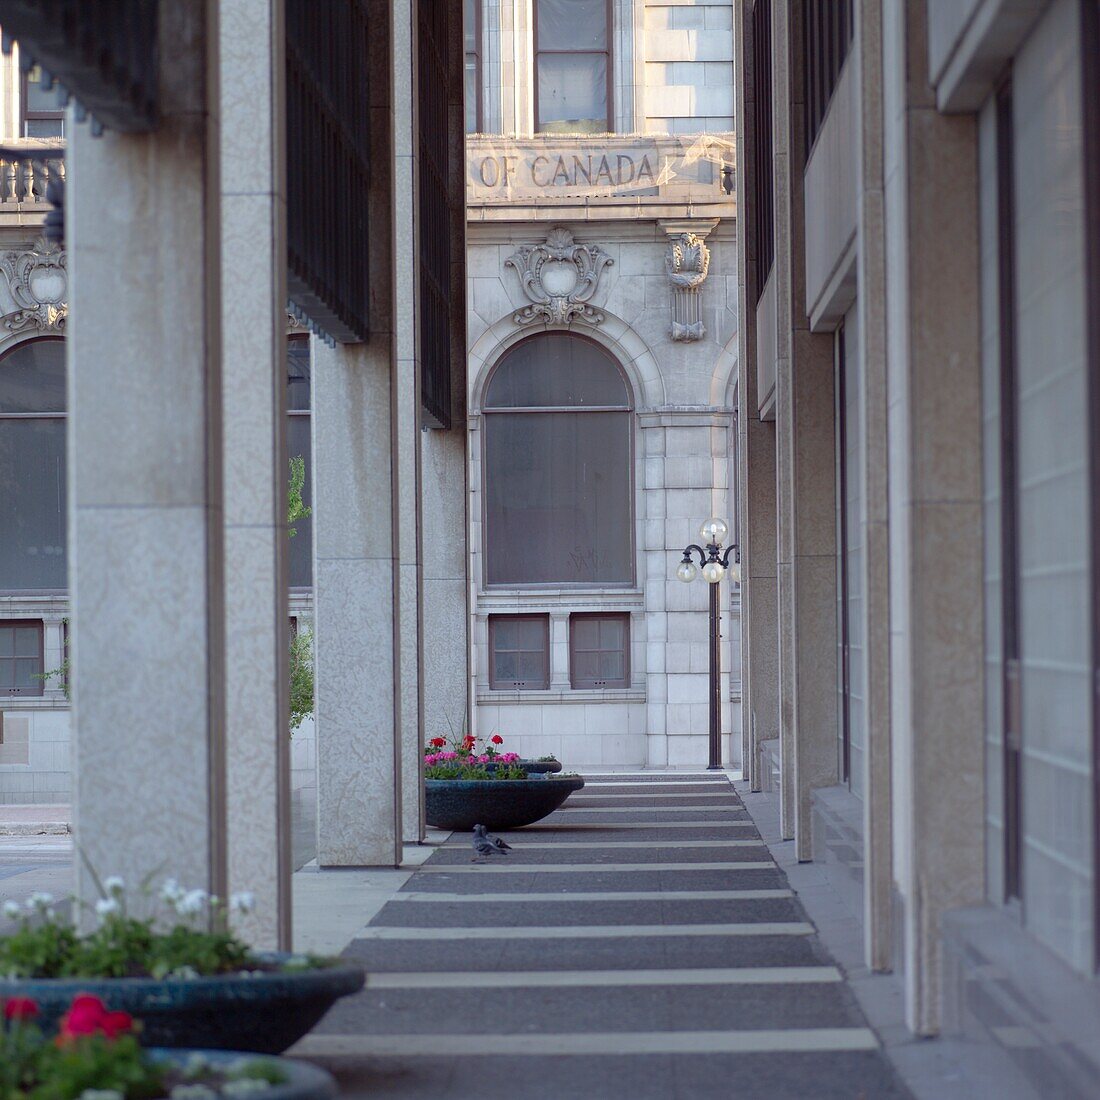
[[714, 563]]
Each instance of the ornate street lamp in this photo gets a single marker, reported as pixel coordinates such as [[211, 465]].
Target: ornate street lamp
[[714, 563]]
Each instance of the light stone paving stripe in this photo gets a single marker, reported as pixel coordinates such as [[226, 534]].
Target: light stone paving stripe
[[562, 979], [726, 807], [677, 845], [579, 797], [586, 931], [612, 1043], [650, 786], [605, 895], [582, 868]]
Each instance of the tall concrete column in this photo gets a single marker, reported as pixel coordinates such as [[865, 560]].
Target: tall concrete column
[[935, 491], [356, 711], [806, 474], [756, 459], [875, 585], [406, 420], [145, 480], [253, 206]]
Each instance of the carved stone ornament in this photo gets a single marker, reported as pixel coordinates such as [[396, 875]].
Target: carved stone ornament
[[38, 284], [559, 277], [687, 261]]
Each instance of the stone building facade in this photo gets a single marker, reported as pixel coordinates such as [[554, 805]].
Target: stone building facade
[[602, 324]]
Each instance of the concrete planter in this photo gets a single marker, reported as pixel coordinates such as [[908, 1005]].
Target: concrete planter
[[460, 804], [303, 1081], [265, 1013]]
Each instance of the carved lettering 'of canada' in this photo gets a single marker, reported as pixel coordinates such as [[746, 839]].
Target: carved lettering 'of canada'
[[566, 170]]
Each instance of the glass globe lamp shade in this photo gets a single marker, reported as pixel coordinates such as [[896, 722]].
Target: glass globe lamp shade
[[687, 571], [713, 572], [714, 531], [735, 571]]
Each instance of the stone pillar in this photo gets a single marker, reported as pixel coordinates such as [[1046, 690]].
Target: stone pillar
[[756, 473], [406, 420], [935, 494], [145, 482], [253, 207], [871, 279], [805, 423], [354, 569]]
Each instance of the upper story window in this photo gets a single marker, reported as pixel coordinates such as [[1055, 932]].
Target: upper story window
[[557, 466], [572, 66], [21, 658], [32, 468], [471, 24], [42, 117]]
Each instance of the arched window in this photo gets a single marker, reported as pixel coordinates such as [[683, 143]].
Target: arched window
[[558, 499], [32, 468]]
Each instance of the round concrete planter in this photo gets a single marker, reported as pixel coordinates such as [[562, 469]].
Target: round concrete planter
[[266, 1012], [460, 804], [303, 1081]]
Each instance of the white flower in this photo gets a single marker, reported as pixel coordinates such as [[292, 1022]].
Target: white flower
[[101, 1094], [12, 909], [171, 891], [245, 1086], [40, 902], [196, 1065], [192, 1092], [114, 885], [242, 902], [191, 902], [183, 973], [107, 907]]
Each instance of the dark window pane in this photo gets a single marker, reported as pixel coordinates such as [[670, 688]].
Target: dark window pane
[[469, 24], [297, 370], [611, 633], [26, 641], [44, 127], [572, 24], [519, 654], [471, 94], [586, 667], [27, 671], [557, 370], [301, 545], [612, 665], [32, 378], [38, 99], [507, 666], [32, 502], [532, 667], [558, 508], [7, 641], [586, 633], [573, 93]]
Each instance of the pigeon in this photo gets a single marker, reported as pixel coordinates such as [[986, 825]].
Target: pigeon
[[485, 842]]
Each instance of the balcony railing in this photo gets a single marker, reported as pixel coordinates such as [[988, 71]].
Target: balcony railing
[[26, 169]]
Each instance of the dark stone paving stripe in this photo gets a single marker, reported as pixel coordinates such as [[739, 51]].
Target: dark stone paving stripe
[[849, 1075], [599, 831], [563, 853], [414, 914], [768, 877], [626, 953], [597, 1009]]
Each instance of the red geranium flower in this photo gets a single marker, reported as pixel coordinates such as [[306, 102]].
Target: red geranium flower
[[468, 740], [88, 1015], [497, 739], [20, 1009], [437, 742]]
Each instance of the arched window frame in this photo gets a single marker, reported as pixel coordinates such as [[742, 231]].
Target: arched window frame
[[628, 409], [61, 415]]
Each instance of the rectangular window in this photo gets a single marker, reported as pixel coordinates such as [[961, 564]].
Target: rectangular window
[[599, 650], [471, 23], [42, 117], [763, 168], [21, 658], [826, 39], [572, 66], [519, 652]]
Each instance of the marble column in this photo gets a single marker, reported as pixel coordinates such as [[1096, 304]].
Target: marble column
[[354, 569], [935, 495], [145, 482], [253, 209], [756, 474]]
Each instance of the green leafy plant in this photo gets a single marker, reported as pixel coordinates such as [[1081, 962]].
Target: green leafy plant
[[96, 1056], [301, 677], [191, 939], [296, 508], [458, 770]]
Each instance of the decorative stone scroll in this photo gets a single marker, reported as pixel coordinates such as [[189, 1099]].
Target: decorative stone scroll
[[687, 261], [559, 277], [37, 283]]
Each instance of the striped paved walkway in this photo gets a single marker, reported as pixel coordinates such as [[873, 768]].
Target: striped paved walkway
[[639, 943]]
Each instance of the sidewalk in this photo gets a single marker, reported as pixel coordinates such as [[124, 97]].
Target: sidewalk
[[35, 819], [640, 943]]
